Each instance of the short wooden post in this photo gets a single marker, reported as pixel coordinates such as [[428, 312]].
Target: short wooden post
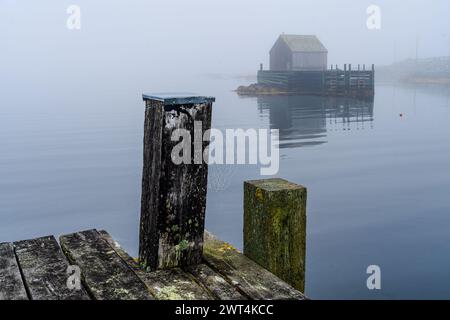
[[173, 195], [275, 228]]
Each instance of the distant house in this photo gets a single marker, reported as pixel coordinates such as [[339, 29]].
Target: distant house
[[299, 53]]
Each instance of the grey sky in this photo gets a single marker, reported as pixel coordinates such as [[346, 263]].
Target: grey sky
[[200, 36]]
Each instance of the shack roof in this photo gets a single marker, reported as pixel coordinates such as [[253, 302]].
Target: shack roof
[[303, 43]]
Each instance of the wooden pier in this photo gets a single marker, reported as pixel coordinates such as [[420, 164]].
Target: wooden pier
[[37, 269], [335, 81], [178, 259]]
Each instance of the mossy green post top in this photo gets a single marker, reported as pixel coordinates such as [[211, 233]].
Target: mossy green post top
[[172, 99], [275, 184], [275, 228]]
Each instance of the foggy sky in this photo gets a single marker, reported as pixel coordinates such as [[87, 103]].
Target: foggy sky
[[205, 36]]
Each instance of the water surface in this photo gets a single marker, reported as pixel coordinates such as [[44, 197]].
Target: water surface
[[377, 173]]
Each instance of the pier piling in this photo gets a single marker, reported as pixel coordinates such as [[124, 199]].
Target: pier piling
[[173, 194], [275, 228]]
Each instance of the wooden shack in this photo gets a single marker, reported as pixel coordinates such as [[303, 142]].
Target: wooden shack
[[298, 53]]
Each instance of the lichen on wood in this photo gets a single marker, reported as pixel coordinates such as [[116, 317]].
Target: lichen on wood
[[172, 284], [275, 228], [247, 276], [219, 287], [105, 274], [108, 272]]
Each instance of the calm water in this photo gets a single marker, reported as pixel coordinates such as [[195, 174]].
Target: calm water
[[378, 182]]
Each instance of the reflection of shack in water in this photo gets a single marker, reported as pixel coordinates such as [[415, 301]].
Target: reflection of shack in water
[[305, 120]]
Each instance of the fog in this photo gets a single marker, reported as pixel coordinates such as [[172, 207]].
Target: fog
[[72, 116], [164, 40]]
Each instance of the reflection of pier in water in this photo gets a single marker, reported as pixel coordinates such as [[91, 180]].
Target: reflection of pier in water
[[305, 120]]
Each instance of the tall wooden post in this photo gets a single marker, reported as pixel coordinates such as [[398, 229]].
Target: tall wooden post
[[349, 77], [275, 228], [323, 80], [174, 194], [345, 79], [372, 78]]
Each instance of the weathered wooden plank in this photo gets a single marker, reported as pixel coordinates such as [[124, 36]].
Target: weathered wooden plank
[[215, 283], [174, 284], [174, 191], [105, 275], [11, 284], [171, 284], [45, 270], [249, 277], [132, 263]]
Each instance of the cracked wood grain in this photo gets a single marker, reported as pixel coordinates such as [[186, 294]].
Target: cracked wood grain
[[105, 274], [44, 270], [11, 284]]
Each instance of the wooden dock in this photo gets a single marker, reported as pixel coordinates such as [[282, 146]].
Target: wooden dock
[[37, 269], [335, 81]]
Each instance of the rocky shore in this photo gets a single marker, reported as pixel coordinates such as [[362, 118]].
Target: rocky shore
[[260, 89]]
